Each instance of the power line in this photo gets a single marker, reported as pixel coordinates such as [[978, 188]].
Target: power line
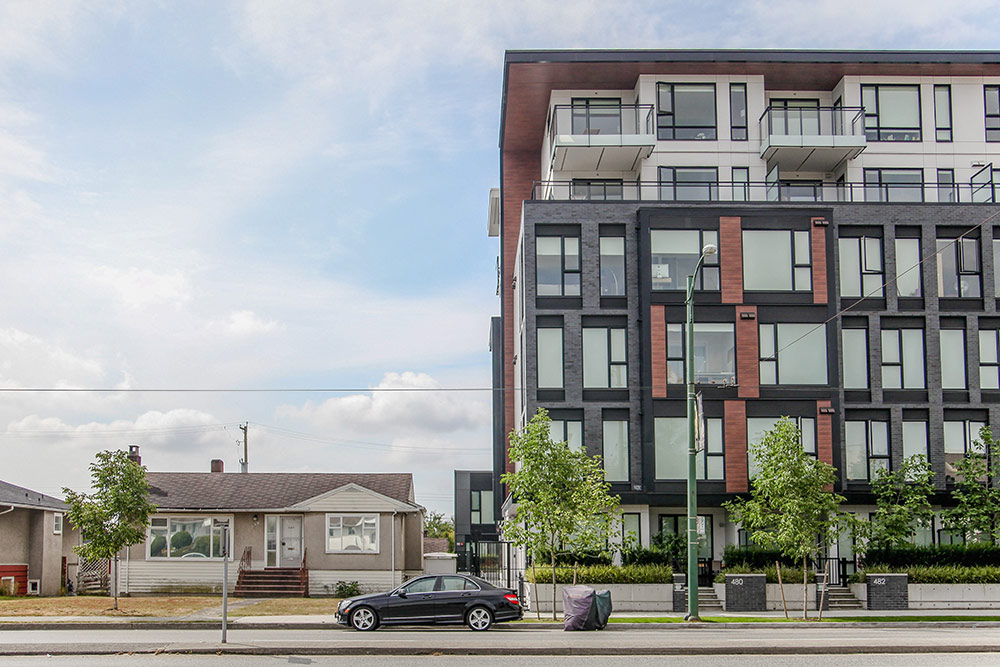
[[365, 444], [230, 390]]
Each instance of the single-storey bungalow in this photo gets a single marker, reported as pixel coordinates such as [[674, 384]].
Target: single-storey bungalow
[[291, 533], [35, 542]]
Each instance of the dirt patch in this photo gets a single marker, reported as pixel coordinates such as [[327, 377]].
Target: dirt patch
[[289, 607], [86, 605]]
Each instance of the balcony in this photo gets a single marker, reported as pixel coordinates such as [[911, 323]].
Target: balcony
[[811, 138], [613, 137]]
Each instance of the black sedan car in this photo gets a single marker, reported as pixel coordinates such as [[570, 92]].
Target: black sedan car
[[434, 598]]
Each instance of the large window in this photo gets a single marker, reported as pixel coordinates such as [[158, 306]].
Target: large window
[[591, 189], [947, 192], [558, 265], [689, 183], [892, 113], [738, 111], [989, 359], [714, 353], [903, 359], [992, 94], [616, 450], [185, 537], [958, 267], [908, 281], [953, 359], [612, 266], [569, 431], [604, 360], [942, 113], [867, 448], [914, 439], [776, 260], [601, 115], [550, 358], [961, 437], [631, 528], [861, 266], [792, 354], [352, 533], [757, 427], [674, 256], [894, 185], [671, 449], [855, 344], [685, 111], [481, 507]]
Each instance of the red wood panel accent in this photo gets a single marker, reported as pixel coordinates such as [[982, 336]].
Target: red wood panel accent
[[737, 480], [818, 239], [824, 433], [20, 574], [747, 353], [520, 170], [731, 259], [658, 351]]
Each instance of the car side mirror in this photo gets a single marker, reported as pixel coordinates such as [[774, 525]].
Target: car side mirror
[[402, 594]]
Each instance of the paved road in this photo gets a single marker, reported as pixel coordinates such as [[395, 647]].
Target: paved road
[[505, 640]]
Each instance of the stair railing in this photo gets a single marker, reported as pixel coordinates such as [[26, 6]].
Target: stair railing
[[304, 573], [244, 562]]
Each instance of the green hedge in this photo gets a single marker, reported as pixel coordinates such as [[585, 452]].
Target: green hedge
[[647, 557], [605, 574], [755, 556], [789, 575], [936, 574], [570, 558], [959, 555]]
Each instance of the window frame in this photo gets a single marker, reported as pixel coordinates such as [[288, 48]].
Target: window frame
[[886, 188], [564, 428], [864, 269], [564, 271], [353, 515], [612, 363], [601, 267], [715, 448], [597, 189], [900, 360], [476, 507], [775, 357], [866, 356], [947, 190], [943, 126], [671, 184], [796, 267], [668, 131], [965, 359], [870, 472], [679, 361], [751, 463], [738, 96], [604, 450], [992, 133], [956, 247], [538, 357], [57, 523], [992, 362], [188, 518], [886, 134], [710, 270], [587, 104], [914, 268]]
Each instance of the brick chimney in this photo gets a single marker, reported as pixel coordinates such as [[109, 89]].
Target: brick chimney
[[218, 465], [133, 454]]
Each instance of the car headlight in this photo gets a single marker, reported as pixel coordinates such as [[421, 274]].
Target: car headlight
[[344, 604]]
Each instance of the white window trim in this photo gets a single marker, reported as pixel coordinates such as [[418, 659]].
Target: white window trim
[[57, 523], [378, 533], [189, 517]]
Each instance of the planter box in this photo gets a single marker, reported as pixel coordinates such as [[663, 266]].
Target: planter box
[[745, 592], [624, 597], [954, 596], [793, 596]]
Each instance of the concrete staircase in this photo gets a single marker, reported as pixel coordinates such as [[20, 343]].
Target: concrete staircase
[[272, 583], [708, 601], [841, 597]]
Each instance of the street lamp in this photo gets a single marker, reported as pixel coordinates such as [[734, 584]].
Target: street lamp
[[692, 482]]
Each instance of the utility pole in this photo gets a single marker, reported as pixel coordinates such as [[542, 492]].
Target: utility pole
[[244, 462]]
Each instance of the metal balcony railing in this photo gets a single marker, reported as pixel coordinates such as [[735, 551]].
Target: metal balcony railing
[[813, 121]]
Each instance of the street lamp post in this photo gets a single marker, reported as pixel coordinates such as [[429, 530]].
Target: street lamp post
[[692, 481]]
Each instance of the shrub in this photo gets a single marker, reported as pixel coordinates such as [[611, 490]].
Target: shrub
[[605, 574], [570, 558], [961, 555], [756, 557], [936, 574], [789, 574], [347, 589]]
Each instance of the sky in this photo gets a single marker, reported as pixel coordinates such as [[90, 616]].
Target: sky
[[292, 195]]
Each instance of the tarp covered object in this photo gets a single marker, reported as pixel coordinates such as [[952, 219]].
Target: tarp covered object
[[585, 609]]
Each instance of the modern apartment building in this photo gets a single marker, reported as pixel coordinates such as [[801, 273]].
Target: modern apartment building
[[856, 286]]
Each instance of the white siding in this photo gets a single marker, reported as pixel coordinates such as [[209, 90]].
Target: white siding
[[324, 582], [175, 577]]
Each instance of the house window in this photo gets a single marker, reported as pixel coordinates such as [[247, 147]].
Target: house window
[[612, 266], [57, 523], [903, 359], [685, 111], [738, 111], [867, 448], [800, 190], [714, 353], [914, 439], [671, 449], [550, 357], [597, 189], [894, 185], [942, 113], [568, 431], [602, 115], [908, 281], [892, 113], [631, 528], [947, 192], [958, 267], [960, 439], [558, 265], [757, 427], [689, 183], [481, 507], [776, 261], [792, 354], [794, 117], [855, 343], [989, 359], [861, 266], [741, 183], [676, 524], [352, 533], [674, 255], [615, 450], [604, 359], [953, 359], [187, 537], [992, 94]]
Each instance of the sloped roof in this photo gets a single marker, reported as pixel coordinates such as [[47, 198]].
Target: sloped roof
[[22, 497], [264, 490]]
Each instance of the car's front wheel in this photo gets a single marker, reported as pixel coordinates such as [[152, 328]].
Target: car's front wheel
[[364, 618], [479, 618]]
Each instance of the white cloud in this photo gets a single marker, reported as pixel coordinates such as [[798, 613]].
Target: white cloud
[[139, 288], [246, 323], [30, 361]]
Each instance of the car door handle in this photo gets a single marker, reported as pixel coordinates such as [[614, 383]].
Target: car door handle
[[466, 595]]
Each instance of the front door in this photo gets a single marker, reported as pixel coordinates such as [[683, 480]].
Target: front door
[[290, 553]]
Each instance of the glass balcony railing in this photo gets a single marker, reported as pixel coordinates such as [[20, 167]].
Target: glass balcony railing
[[813, 122], [601, 120]]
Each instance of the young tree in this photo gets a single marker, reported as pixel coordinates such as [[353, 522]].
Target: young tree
[[976, 514], [791, 506], [116, 514], [903, 499], [561, 496], [437, 525]]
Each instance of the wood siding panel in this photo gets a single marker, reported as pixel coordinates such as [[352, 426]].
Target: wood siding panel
[[731, 259], [747, 353], [736, 447], [658, 343], [818, 238], [824, 433]]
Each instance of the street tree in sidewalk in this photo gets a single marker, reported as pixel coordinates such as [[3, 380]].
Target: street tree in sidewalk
[[560, 494], [976, 515], [116, 514], [791, 505], [903, 504]]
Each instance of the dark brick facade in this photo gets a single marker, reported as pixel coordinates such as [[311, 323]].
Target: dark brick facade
[[888, 591], [746, 592]]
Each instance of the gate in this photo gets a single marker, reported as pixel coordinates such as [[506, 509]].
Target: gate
[[93, 575], [839, 570], [488, 560]]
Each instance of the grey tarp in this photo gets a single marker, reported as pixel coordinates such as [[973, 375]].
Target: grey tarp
[[585, 609]]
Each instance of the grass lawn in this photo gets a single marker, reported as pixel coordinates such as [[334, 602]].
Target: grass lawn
[[92, 605], [289, 607], [781, 619]]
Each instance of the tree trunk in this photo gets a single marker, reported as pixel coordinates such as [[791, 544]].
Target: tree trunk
[[552, 560], [116, 582], [826, 579], [805, 591], [534, 583], [575, 565], [781, 587]]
